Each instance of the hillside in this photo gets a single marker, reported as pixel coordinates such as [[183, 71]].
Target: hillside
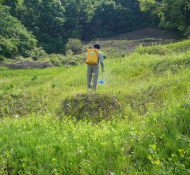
[[151, 33], [137, 122], [126, 43]]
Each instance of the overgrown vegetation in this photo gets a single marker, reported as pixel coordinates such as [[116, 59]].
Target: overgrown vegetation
[[137, 122], [54, 22], [173, 14], [14, 37]]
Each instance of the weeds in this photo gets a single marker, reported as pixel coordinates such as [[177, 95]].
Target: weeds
[[136, 123]]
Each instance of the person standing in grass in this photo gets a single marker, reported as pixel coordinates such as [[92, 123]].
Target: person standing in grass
[[92, 70]]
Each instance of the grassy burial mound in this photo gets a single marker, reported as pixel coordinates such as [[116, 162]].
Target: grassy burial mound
[[92, 106], [137, 122]]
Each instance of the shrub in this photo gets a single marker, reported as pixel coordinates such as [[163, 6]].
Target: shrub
[[75, 45], [179, 46], [2, 68], [157, 50], [105, 56], [55, 62], [69, 58], [2, 58], [123, 54], [37, 53], [64, 60], [72, 62]]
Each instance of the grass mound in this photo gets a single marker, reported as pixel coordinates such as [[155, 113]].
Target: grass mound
[[91, 106]]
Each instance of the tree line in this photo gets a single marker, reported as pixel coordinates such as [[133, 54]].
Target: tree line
[[47, 25]]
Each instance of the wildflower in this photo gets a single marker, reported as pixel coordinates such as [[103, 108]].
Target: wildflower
[[172, 155], [150, 150], [17, 116], [149, 156], [104, 143], [181, 150], [157, 162]]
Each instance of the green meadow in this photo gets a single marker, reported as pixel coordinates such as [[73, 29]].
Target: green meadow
[[137, 122]]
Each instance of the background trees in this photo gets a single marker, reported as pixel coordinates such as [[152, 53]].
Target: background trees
[[174, 14], [54, 22], [111, 19], [14, 37]]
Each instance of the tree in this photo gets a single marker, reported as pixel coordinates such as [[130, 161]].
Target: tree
[[78, 15], [173, 14], [14, 37], [142, 19], [45, 18], [50, 23], [75, 45], [111, 19]]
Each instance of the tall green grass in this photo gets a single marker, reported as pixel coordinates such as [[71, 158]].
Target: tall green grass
[[149, 134]]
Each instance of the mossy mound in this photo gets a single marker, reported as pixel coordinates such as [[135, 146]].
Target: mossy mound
[[91, 106]]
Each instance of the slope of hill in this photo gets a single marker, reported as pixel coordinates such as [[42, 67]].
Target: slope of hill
[[126, 43], [137, 121], [153, 33]]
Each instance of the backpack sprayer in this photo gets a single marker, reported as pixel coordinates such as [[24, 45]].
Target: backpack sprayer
[[92, 58]]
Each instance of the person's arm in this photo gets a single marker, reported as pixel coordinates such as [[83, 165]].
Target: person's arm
[[85, 57], [101, 61]]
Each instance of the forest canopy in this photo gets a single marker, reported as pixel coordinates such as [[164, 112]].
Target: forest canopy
[[14, 37], [173, 14], [49, 24]]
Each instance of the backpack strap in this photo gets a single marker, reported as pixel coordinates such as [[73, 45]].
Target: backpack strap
[[97, 55]]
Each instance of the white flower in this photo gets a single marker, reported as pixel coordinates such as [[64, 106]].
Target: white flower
[[17, 116], [150, 150]]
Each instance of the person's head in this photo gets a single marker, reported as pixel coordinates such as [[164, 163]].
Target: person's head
[[97, 46]]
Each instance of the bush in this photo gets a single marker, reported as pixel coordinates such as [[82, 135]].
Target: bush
[[37, 53], [105, 56], [72, 62], [55, 62], [2, 58], [179, 46], [68, 58], [75, 45], [64, 60], [2, 68], [157, 50]]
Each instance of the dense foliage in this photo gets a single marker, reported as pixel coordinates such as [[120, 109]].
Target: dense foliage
[[14, 37], [53, 22], [149, 134], [174, 14]]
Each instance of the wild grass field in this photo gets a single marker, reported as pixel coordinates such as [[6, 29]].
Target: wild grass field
[[137, 122]]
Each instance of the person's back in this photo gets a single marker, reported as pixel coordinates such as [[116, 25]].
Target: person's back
[[92, 69]]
